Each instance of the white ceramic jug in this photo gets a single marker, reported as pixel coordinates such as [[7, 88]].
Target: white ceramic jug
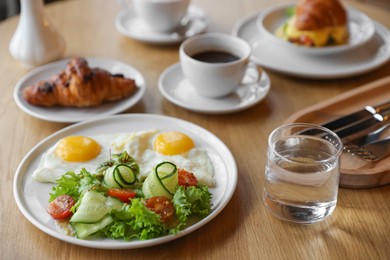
[[35, 41]]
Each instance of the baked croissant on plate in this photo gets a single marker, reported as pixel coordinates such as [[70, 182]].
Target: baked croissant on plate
[[79, 86], [317, 23]]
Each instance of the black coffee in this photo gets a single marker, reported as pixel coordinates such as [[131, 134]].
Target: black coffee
[[215, 57]]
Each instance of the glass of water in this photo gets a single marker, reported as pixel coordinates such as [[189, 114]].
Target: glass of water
[[302, 172]]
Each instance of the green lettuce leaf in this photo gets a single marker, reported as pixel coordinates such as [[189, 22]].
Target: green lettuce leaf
[[135, 221], [75, 185], [290, 12], [191, 201]]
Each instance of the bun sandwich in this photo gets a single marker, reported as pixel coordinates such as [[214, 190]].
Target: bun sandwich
[[316, 23]]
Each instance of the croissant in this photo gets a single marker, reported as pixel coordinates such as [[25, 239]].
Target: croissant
[[319, 14], [79, 86]]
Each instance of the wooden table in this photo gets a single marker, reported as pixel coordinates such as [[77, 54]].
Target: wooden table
[[358, 229]]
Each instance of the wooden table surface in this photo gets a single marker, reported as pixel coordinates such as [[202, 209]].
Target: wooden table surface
[[358, 229]]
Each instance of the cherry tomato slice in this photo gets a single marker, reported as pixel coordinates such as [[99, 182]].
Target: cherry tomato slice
[[60, 207], [186, 178], [162, 206], [124, 195]]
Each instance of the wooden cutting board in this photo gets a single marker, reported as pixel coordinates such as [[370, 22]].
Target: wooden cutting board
[[355, 173]]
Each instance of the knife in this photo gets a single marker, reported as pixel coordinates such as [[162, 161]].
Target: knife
[[362, 128], [367, 113], [356, 130]]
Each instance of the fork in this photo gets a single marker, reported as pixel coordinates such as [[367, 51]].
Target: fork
[[370, 152], [380, 133]]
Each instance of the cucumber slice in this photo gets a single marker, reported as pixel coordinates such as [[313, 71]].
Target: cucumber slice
[[167, 173], [146, 189], [124, 175], [92, 208], [161, 181], [83, 230], [113, 203], [109, 179], [119, 176]]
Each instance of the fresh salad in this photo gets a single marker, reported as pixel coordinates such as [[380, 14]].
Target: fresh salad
[[115, 203]]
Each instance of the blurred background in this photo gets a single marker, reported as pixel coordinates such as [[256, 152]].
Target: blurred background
[[12, 7]]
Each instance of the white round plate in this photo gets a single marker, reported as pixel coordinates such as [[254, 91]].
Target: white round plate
[[365, 58], [128, 24], [174, 87], [71, 114], [32, 196], [361, 29]]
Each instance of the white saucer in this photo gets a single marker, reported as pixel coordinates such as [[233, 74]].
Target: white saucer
[[174, 87], [128, 24], [72, 114], [365, 58], [361, 29]]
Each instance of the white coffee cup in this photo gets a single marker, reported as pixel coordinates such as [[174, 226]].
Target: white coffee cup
[[215, 64], [161, 15]]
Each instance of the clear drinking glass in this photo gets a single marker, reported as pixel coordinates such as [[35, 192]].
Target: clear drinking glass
[[302, 172]]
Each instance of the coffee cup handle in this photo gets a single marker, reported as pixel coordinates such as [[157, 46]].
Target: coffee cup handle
[[252, 75]]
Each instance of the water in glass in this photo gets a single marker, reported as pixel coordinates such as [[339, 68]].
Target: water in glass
[[302, 176]]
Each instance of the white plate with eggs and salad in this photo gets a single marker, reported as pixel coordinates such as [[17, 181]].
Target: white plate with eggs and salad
[[148, 157]]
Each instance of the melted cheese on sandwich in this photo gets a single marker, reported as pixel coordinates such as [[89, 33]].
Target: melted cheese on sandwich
[[337, 35]]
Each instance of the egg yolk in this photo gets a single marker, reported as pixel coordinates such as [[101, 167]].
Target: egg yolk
[[77, 149], [172, 143]]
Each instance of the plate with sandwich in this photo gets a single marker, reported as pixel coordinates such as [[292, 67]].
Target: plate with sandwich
[[316, 27], [292, 61]]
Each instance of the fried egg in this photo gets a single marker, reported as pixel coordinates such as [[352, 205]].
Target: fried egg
[[152, 147], [72, 153], [148, 148]]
